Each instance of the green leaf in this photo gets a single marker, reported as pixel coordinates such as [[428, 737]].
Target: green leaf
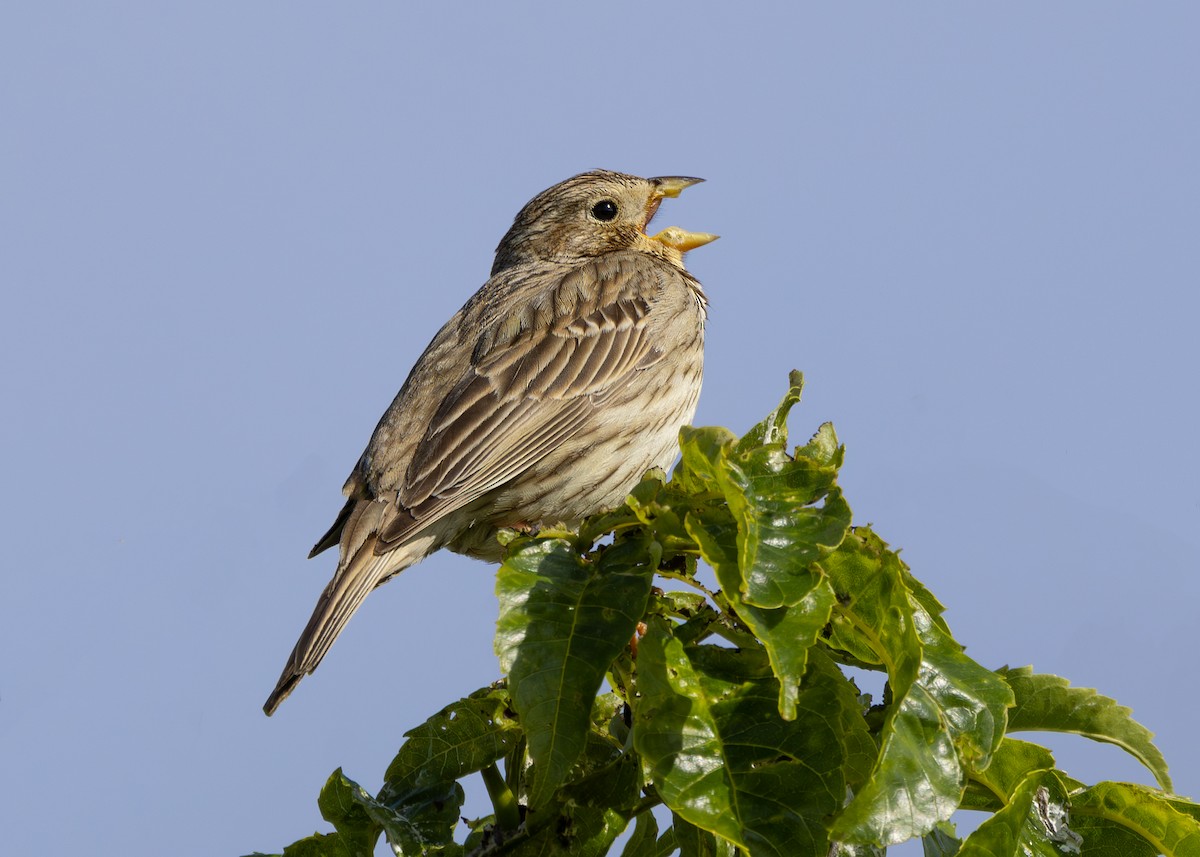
[[926, 599], [845, 849], [874, 620], [482, 834], [422, 823], [683, 605], [578, 832], [692, 841], [609, 778], [1145, 812], [942, 841], [563, 619], [703, 452], [773, 498], [1187, 807], [1048, 703], [344, 804], [1012, 762], [1105, 838], [972, 700], [662, 508], [420, 789], [321, 845], [1033, 824], [846, 717], [947, 711], [763, 544], [979, 798], [786, 632], [721, 757], [823, 447], [781, 529], [772, 431], [668, 843], [918, 778], [464, 737], [916, 783], [644, 841]]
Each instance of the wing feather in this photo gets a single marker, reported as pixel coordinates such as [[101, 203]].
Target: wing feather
[[531, 388]]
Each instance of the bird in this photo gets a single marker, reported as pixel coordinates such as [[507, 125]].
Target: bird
[[543, 400]]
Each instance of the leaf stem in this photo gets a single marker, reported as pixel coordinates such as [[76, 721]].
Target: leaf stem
[[646, 803], [508, 813]]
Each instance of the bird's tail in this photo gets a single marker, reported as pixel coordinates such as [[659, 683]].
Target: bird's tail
[[359, 571]]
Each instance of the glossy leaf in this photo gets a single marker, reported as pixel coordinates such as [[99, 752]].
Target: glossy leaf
[[1033, 824], [773, 500], [662, 508], [787, 632], [947, 711], [845, 849], [703, 453], [420, 786], [462, 738], [563, 618], [941, 841], [1145, 812], [1048, 703], [972, 699], [1012, 762], [772, 431], [916, 783], [422, 820], [917, 780], [422, 823], [721, 757]]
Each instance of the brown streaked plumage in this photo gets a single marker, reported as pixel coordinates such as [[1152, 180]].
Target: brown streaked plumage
[[543, 400]]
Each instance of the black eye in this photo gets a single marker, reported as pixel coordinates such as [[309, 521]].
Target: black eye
[[604, 210]]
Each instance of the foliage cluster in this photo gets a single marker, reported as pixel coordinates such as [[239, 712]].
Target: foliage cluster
[[732, 709]]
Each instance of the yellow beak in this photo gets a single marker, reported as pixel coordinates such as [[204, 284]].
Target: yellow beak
[[672, 186], [677, 239], [682, 240]]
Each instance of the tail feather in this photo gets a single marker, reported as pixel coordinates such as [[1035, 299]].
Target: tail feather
[[334, 535], [359, 571]]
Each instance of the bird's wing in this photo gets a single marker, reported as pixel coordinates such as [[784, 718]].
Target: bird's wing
[[536, 377], [538, 372]]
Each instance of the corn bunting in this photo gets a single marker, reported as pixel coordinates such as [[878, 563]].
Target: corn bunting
[[543, 400]]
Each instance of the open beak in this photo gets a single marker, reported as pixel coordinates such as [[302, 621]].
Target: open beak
[[674, 237], [665, 186], [682, 240]]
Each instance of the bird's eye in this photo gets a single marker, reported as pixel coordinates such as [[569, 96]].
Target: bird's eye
[[604, 210]]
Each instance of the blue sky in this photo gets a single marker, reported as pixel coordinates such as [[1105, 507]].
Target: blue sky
[[229, 229]]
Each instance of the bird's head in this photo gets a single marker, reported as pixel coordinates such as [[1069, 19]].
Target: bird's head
[[595, 213]]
